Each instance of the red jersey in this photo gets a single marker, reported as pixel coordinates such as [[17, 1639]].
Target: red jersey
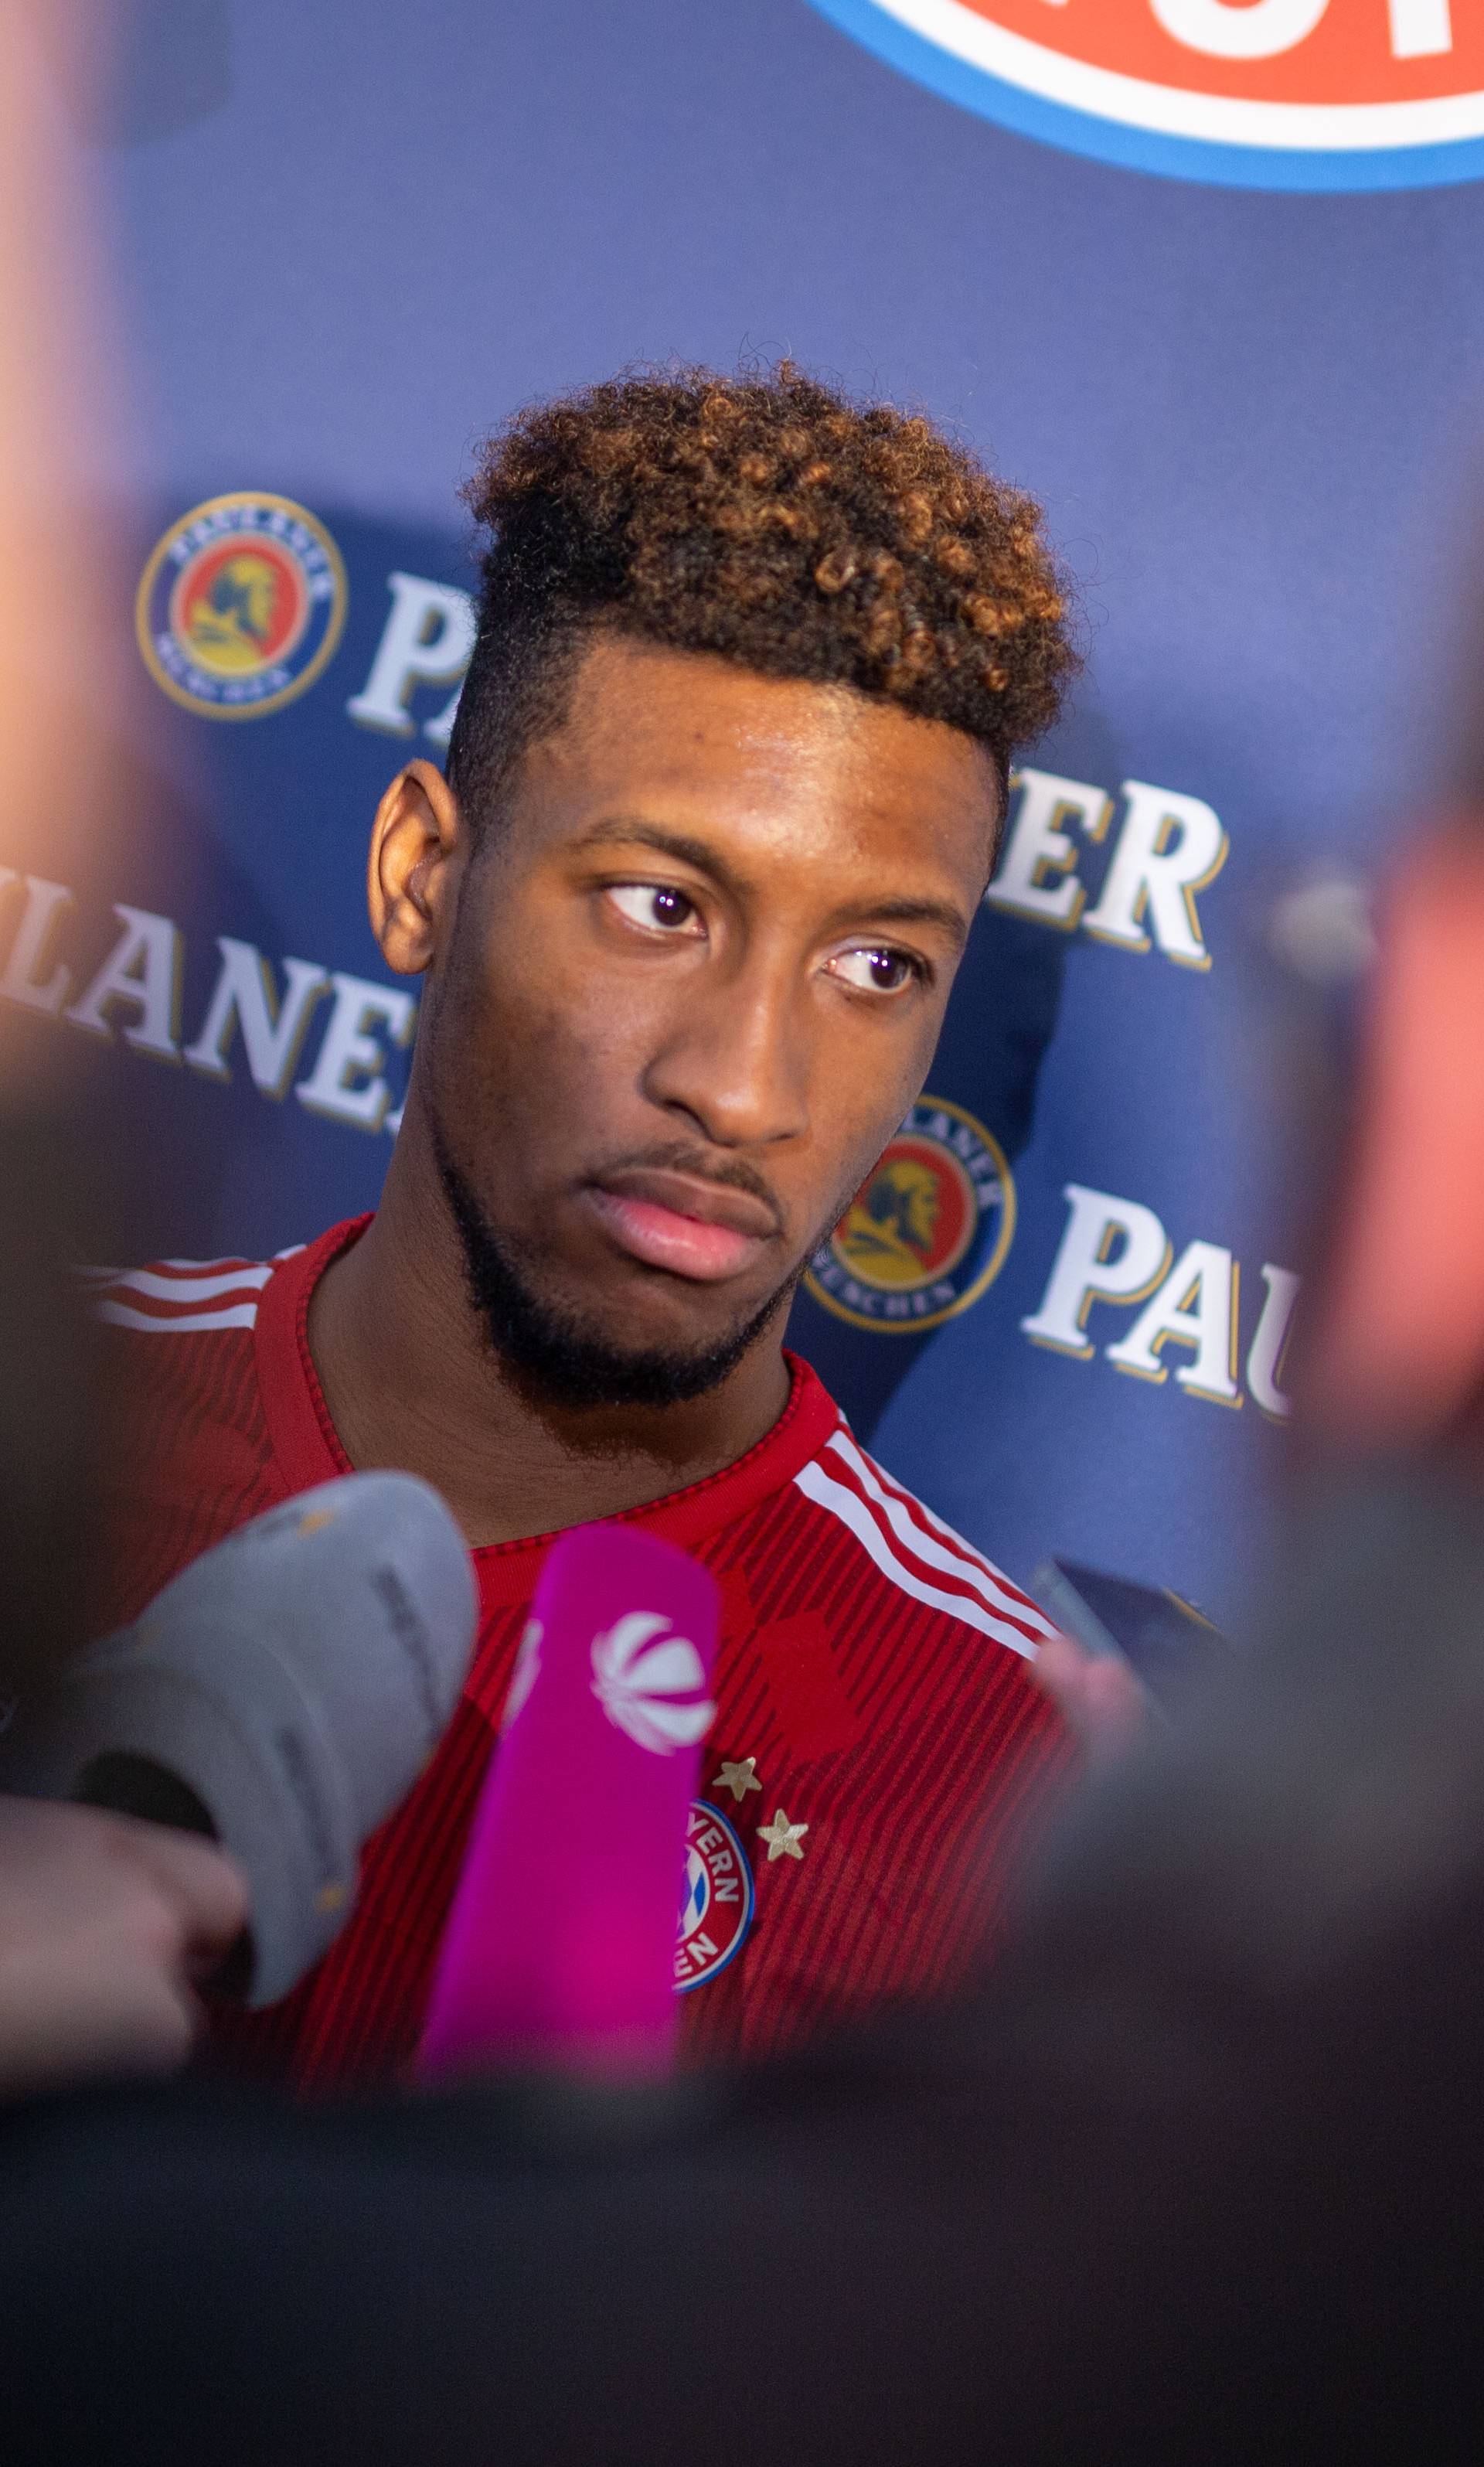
[[879, 1743]]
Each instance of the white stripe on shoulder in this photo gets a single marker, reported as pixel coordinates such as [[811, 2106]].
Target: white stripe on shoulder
[[191, 1289], [853, 1511], [206, 1267], [951, 1554], [184, 1323]]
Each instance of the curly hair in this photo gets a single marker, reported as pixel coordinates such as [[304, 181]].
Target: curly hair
[[769, 521]]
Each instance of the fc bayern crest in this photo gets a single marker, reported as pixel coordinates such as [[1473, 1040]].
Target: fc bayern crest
[[240, 605], [1265, 94], [927, 1232], [716, 1911]]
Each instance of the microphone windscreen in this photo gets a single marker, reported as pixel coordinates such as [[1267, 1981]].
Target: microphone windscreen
[[291, 1683], [560, 1947]]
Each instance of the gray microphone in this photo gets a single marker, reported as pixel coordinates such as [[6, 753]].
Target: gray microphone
[[281, 1694]]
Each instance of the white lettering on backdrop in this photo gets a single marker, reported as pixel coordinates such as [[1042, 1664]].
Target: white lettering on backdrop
[[1116, 1252], [1263, 29]]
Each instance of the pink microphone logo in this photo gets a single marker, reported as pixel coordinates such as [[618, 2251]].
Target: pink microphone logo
[[653, 1692]]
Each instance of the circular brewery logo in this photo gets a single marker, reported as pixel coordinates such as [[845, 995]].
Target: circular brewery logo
[[1268, 94], [240, 605], [926, 1232], [716, 1911]]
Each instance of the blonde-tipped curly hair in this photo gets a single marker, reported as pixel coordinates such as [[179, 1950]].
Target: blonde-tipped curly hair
[[769, 521]]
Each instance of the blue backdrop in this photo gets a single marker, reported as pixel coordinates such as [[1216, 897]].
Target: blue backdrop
[[356, 236]]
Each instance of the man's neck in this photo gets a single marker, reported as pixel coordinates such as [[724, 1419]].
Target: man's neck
[[411, 1383]]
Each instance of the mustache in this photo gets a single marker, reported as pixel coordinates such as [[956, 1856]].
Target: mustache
[[731, 1173]]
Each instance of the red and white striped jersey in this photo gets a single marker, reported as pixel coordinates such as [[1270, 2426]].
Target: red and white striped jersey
[[879, 1744]]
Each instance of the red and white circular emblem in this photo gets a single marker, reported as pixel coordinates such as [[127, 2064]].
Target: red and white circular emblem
[[1292, 94], [928, 1230], [716, 1909], [240, 605]]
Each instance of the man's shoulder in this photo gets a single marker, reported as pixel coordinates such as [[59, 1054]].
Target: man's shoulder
[[884, 1555], [190, 1454], [181, 1298], [179, 1350]]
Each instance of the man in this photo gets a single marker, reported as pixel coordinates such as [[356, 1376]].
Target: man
[[724, 793]]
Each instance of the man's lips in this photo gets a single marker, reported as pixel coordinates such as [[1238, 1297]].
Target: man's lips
[[708, 1230]]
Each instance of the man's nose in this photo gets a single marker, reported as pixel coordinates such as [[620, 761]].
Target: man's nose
[[735, 1058]]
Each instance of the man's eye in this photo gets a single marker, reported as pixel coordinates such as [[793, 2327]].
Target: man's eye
[[875, 969], [653, 906]]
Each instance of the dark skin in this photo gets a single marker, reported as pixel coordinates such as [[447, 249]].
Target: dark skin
[[680, 996]]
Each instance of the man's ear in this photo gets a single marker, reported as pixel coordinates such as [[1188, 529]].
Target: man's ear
[[417, 852]]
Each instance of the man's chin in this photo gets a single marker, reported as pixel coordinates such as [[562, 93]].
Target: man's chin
[[575, 1357], [580, 1373], [568, 1354]]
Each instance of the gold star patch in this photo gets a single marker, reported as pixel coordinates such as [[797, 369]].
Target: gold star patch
[[783, 1838], [739, 1779]]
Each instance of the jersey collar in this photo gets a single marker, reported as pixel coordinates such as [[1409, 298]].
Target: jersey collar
[[307, 1449]]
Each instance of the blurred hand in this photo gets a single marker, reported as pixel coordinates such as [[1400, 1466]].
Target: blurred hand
[[1097, 1695], [104, 1924]]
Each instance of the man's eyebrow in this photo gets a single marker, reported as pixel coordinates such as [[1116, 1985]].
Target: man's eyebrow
[[628, 830], [922, 912]]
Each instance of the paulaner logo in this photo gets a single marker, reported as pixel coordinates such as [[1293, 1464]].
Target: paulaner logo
[[240, 605], [1268, 94], [927, 1232]]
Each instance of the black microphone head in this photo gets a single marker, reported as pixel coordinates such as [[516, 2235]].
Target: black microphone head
[[285, 1693]]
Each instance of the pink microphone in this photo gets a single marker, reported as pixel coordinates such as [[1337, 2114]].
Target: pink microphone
[[560, 1946]]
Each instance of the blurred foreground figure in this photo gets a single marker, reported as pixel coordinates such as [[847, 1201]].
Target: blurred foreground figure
[[101, 1922], [1399, 1356], [1197, 2176], [1247, 2006], [56, 661]]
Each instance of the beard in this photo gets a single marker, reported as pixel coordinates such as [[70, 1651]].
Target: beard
[[563, 1358]]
